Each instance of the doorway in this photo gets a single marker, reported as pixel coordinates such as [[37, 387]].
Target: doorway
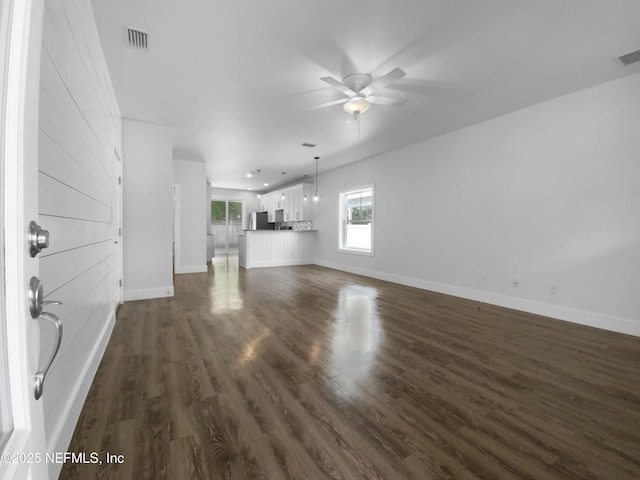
[[226, 223]]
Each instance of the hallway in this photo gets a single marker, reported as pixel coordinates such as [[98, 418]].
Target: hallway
[[311, 373]]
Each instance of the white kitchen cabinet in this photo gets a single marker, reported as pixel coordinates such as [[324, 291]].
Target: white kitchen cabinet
[[304, 210], [307, 205], [294, 206], [286, 204], [298, 202], [292, 203], [271, 206]]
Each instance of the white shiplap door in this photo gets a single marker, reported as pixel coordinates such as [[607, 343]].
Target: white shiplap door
[[79, 203], [61, 151]]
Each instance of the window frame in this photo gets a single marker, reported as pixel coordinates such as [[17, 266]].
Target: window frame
[[342, 213]]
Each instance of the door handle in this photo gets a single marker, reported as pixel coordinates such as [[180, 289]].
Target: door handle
[[36, 300], [41, 375], [51, 302]]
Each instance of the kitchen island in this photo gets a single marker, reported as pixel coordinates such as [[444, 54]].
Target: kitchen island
[[276, 248]]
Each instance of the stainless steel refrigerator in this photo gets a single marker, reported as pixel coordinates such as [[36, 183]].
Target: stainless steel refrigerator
[[259, 221]]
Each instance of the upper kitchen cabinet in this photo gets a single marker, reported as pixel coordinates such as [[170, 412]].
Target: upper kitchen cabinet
[[271, 200], [296, 208]]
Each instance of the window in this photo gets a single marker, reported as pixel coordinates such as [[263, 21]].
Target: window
[[356, 221]]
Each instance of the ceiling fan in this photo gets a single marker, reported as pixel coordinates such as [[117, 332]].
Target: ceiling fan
[[359, 89]]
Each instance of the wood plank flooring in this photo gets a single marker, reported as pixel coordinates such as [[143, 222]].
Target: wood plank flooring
[[310, 373]]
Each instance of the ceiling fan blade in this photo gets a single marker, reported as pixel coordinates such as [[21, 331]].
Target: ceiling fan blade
[[339, 86], [329, 104], [394, 102], [393, 76]]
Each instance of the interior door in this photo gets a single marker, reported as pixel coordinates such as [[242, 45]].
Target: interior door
[[23, 455]]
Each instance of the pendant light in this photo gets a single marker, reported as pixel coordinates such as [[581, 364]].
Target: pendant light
[[305, 194], [282, 196], [316, 197]]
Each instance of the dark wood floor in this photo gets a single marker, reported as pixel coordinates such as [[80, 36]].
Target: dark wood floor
[[311, 373]]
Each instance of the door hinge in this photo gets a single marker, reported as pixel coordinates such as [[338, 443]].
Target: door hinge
[[120, 231], [119, 180], [120, 282]]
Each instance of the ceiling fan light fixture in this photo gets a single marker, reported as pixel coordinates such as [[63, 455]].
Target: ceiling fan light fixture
[[356, 105]]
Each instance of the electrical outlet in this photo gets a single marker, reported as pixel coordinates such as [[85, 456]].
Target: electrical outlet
[[515, 284], [554, 288]]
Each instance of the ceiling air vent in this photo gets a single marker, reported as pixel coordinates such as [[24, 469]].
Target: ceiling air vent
[[630, 58], [310, 145], [138, 39]]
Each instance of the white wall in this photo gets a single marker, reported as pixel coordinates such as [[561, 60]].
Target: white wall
[[148, 210], [78, 147], [192, 177], [547, 195]]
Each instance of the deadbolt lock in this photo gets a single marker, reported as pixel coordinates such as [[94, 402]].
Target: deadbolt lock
[[38, 238]]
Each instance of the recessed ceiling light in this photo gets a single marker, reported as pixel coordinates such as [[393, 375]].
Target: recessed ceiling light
[[249, 175], [266, 184], [249, 188]]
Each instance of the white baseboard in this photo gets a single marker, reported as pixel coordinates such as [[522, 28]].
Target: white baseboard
[[582, 317], [191, 269], [279, 263], [61, 436], [148, 293]]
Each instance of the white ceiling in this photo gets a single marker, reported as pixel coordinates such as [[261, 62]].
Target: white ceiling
[[238, 79]]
